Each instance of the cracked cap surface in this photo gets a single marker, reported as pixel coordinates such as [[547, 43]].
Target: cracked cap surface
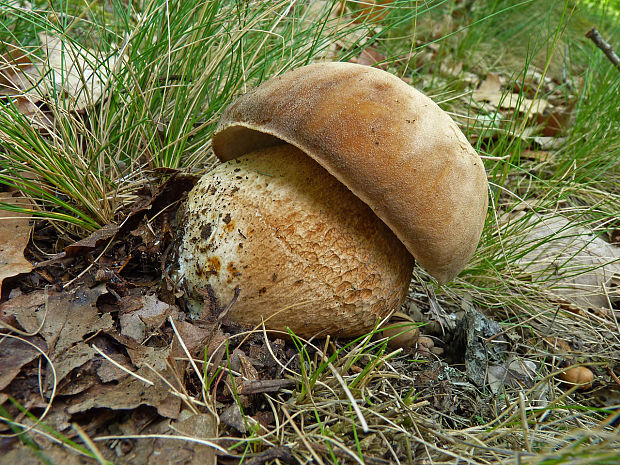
[[392, 146]]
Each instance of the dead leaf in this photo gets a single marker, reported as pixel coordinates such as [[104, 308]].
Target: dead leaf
[[549, 143], [373, 10], [24, 303], [14, 354], [169, 192], [144, 316], [69, 316], [200, 426], [94, 240], [451, 68], [73, 71], [557, 345], [20, 80], [160, 450], [233, 417], [608, 396], [66, 362], [109, 372], [579, 264], [490, 90], [130, 393], [514, 373], [24, 454], [555, 120], [370, 56], [14, 237], [154, 357], [442, 27], [65, 318], [18, 75], [66, 69], [194, 336]]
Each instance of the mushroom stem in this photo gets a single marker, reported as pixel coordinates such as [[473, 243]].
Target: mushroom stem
[[304, 251]]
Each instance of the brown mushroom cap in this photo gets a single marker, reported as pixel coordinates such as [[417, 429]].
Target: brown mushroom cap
[[392, 146]]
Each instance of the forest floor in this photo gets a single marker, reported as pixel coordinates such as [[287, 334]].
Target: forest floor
[[105, 126]]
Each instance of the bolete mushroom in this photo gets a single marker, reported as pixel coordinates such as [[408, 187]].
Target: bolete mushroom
[[335, 176]]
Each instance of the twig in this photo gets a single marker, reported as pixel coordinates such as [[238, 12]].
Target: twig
[[526, 435], [281, 453], [613, 375], [598, 40], [260, 386]]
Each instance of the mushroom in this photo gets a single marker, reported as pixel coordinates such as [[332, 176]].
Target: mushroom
[[579, 376], [335, 176]]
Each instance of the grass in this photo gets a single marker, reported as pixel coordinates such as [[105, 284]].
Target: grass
[[167, 69], [166, 72]]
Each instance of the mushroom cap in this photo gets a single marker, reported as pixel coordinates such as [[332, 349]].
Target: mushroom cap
[[392, 146]]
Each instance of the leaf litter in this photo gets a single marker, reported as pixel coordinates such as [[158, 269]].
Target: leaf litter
[[14, 237], [149, 385]]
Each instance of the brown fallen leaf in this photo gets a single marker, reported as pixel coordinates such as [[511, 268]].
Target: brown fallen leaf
[[73, 71], [514, 372], [64, 319], [67, 317], [158, 449], [169, 192], [490, 90], [14, 237], [370, 56], [24, 303], [94, 240], [233, 417], [549, 143], [25, 454], [194, 336], [200, 426], [79, 380], [154, 357], [555, 120], [373, 10], [140, 316], [65, 362], [18, 75], [282, 453], [14, 354], [19, 81], [557, 345], [130, 393], [105, 370]]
